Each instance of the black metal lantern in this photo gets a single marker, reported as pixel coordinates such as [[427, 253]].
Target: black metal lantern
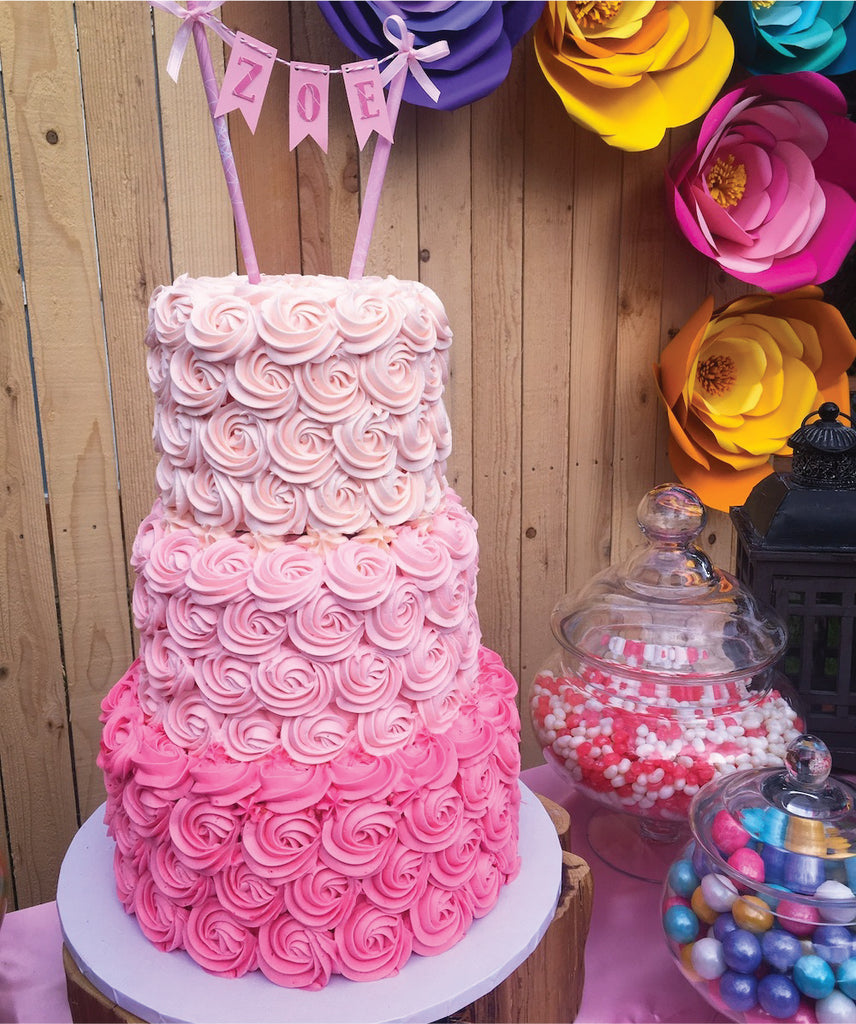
[[796, 549]]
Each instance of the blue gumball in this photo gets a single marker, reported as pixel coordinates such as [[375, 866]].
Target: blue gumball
[[724, 924], [845, 976], [833, 942], [813, 976], [738, 991], [778, 996], [741, 951], [683, 878], [680, 924], [780, 949]]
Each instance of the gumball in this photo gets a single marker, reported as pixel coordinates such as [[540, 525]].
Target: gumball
[[683, 878], [813, 976], [719, 892], [780, 949], [727, 832], [680, 924], [774, 864], [686, 957], [753, 914], [836, 1008], [804, 873], [738, 991], [799, 918], [778, 996], [834, 908], [833, 942], [703, 911], [707, 958], [724, 924], [748, 862], [845, 977], [700, 861], [742, 951]]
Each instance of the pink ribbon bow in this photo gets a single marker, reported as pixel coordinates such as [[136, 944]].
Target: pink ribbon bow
[[411, 58], [201, 12]]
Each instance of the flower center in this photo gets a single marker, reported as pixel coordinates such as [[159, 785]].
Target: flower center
[[595, 13], [761, 4], [716, 375], [727, 181]]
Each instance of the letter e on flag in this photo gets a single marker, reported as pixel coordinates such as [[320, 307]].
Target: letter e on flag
[[366, 99]]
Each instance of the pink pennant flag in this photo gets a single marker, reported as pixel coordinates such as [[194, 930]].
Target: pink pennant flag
[[246, 80], [366, 99], [308, 110]]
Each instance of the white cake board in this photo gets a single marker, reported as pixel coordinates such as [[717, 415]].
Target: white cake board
[[111, 951]]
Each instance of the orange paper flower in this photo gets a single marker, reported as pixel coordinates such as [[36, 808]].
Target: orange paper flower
[[630, 70], [738, 382]]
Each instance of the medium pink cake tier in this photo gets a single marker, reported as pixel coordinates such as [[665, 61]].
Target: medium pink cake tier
[[299, 402], [303, 871], [257, 643]]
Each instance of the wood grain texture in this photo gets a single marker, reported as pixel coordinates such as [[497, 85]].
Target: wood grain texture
[[562, 277]]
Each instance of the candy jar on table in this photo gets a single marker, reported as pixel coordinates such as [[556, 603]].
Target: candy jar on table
[[759, 908], [664, 678]]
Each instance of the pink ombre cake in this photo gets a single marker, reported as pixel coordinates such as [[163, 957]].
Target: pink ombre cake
[[312, 767]]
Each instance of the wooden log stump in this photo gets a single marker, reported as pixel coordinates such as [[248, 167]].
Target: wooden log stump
[[548, 986]]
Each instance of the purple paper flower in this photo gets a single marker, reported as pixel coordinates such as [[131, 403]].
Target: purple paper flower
[[793, 35], [480, 35], [768, 190]]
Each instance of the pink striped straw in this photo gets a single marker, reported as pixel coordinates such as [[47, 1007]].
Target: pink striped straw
[[224, 145]]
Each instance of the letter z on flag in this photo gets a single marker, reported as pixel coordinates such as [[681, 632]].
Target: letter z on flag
[[246, 80]]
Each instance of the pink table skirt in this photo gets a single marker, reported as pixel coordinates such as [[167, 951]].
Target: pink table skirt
[[629, 974]]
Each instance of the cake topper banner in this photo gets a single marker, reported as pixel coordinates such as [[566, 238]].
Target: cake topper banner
[[251, 63], [252, 66]]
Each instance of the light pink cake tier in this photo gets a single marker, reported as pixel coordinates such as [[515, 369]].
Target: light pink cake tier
[[302, 870], [299, 402], [306, 644]]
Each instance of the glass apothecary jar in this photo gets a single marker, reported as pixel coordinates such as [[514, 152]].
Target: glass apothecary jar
[[663, 679], [759, 908]]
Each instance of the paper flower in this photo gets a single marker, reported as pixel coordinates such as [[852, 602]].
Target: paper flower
[[789, 35], [768, 190], [738, 383], [480, 37], [629, 71]]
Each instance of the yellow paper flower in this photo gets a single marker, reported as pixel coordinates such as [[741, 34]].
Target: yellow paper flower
[[737, 383], [630, 70]]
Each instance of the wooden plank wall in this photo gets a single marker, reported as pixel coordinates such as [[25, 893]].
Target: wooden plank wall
[[560, 275]]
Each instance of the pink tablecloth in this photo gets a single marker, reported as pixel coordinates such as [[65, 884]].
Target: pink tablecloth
[[629, 975]]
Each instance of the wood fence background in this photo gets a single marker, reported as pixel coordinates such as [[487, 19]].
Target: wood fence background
[[560, 274]]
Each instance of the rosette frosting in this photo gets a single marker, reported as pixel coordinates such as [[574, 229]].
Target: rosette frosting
[[305, 402], [305, 871]]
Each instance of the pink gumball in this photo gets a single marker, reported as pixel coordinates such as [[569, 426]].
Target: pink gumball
[[727, 832], [675, 901], [748, 862], [799, 919]]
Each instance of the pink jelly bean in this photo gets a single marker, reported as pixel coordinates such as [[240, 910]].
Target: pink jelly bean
[[799, 919], [727, 833], [748, 862]]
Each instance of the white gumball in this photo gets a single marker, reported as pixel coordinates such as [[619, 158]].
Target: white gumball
[[708, 959], [833, 907], [719, 892], [836, 1008]]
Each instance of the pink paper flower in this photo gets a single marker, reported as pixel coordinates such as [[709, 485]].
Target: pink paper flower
[[768, 190]]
